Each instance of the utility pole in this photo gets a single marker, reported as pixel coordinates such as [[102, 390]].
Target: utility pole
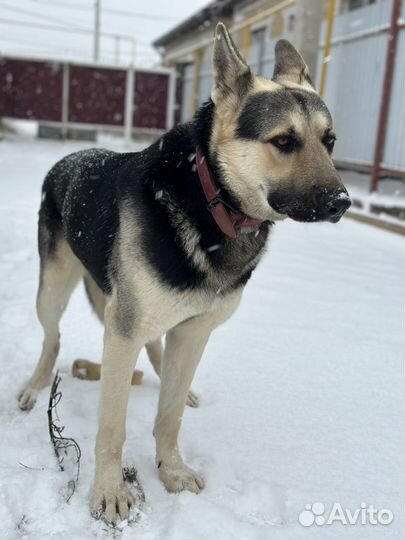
[[133, 50], [117, 49], [97, 24]]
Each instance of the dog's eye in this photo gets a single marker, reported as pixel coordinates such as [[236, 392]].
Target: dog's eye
[[285, 143], [329, 142]]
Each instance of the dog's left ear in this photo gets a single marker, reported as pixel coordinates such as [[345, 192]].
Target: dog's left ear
[[289, 65], [232, 76]]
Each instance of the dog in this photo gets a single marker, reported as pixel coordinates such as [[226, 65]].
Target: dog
[[167, 238]]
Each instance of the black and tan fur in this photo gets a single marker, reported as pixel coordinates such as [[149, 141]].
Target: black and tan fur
[[136, 228]]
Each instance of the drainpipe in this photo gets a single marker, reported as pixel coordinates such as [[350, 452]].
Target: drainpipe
[[386, 94], [246, 39], [327, 45]]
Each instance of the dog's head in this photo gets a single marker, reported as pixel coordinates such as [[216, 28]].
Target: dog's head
[[273, 139]]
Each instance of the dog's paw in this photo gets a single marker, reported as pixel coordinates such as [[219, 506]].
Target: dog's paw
[[112, 503], [86, 370], [176, 480], [192, 400], [27, 398], [79, 369]]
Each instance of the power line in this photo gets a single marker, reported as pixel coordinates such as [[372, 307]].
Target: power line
[[140, 15], [81, 29], [45, 46], [64, 29], [73, 28], [37, 15], [118, 12]]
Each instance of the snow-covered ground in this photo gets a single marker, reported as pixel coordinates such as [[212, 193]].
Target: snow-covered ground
[[302, 392], [387, 204]]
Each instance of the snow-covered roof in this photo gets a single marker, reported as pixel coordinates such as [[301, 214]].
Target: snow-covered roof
[[208, 14]]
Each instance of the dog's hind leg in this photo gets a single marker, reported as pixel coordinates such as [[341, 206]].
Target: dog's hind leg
[[60, 273], [155, 354], [85, 369], [91, 371]]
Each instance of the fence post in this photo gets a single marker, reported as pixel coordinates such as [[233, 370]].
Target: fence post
[[65, 99], [386, 94], [171, 99], [129, 103]]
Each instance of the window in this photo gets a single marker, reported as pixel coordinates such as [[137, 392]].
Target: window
[[258, 49], [356, 4], [291, 23]]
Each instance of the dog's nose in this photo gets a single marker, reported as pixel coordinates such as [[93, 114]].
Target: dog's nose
[[337, 206]]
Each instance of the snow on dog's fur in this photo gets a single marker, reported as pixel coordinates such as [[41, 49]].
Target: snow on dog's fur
[[136, 228]]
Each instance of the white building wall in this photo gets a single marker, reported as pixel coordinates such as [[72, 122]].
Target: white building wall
[[271, 35], [283, 24], [187, 92], [205, 76]]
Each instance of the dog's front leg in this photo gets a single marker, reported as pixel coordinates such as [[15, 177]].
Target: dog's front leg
[[111, 495], [184, 347], [182, 354]]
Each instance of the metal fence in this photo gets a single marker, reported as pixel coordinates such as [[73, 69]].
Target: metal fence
[[356, 69], [72, 95]]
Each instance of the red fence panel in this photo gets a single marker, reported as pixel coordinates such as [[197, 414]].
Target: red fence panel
[[30, 89], [150, 100], [97, 95]]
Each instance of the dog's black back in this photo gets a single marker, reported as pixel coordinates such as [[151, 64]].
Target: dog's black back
[[83, 197]]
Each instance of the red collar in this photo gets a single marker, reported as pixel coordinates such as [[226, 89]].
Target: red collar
[[229, 221]]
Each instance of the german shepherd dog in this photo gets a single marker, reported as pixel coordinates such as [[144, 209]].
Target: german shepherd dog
[[167, 238]]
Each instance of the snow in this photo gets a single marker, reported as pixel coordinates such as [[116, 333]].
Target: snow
[[387, 201], [380, 204], [301, 392]]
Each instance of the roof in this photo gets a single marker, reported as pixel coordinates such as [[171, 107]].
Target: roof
[[203, 17]]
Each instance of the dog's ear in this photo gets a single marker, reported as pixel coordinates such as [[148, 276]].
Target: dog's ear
[[289, 65], [232, 76]]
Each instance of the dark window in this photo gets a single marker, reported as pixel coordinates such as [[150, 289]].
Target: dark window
[[258, 47], [291, 22], [356, 4]]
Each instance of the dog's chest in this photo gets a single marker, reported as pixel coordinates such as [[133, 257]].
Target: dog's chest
[[160, 308], [229, 264]]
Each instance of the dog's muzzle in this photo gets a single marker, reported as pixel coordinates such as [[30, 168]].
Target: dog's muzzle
[[323, 205]]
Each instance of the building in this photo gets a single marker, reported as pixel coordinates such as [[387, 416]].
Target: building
[[356, 89], [256, 26]]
